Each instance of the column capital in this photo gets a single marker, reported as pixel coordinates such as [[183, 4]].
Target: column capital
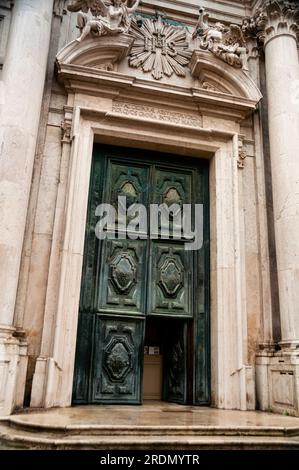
[[275, 18]]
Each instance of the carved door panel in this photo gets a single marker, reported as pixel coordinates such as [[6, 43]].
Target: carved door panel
[[171, 268], [175, 362], [121, 284], [118, 356], [171, 280]]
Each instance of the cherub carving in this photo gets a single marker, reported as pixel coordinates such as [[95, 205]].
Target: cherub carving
[[99, 19], [227, 43]]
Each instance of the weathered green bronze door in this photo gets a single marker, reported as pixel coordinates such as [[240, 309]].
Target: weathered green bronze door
[[134, 276]]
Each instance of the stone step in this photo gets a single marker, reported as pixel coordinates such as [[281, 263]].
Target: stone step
[[154, 426], [18, 423], [19, 439], [85, 437]]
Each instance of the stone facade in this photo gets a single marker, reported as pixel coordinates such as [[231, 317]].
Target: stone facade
[[226, 88]]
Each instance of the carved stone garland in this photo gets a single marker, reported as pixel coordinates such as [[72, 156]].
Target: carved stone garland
[[160, 48]]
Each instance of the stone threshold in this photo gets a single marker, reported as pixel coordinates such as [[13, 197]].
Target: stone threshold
[[155, 425]]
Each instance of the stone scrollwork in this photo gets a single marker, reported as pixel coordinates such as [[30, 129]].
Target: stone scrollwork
[[98, 19], [273, 17], [160, 48], [241, 159], [227, 43], [242, 153]]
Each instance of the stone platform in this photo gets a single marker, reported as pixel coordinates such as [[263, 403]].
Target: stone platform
[[152, 426]]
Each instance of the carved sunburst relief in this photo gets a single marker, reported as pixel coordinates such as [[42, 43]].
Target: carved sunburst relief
[[159, 48]]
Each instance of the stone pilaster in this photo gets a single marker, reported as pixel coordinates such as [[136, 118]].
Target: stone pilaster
[[23, 82]]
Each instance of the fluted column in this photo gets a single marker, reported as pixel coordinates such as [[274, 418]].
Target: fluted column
[[23, 78], [276, 24]]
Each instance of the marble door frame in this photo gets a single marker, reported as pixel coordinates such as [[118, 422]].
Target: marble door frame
[[100, 114]]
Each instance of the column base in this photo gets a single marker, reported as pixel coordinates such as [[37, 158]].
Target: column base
[[277, 378], [13, 366], [289, 345]]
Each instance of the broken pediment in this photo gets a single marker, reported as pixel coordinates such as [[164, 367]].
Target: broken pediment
[[97, 52], [214, 75], [211, 63]]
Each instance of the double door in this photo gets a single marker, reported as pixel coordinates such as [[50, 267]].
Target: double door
[[136, 272]]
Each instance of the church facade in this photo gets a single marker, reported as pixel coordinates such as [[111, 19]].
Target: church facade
[[155, 103]]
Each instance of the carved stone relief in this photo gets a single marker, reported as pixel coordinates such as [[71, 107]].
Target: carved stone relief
[[241, 159], [66, 125], [98, 19], [242, 153], [227, 43], [160, 48]]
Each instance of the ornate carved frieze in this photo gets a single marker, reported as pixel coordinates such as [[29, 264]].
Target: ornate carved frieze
[[97, 18], [160, 48], [227, 43], [275, 17], [156, 113]]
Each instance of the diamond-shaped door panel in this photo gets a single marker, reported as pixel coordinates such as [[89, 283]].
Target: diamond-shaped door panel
[[122, 283], [123, 271], [171, 280], [171, 275], [118, 359], [118, 352]]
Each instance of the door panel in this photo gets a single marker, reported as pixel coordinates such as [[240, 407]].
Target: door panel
[[201, 337], [118, 351], [171, 187], [171, 280], [175, 362], [126, 180], [122, 277], [83, 357]]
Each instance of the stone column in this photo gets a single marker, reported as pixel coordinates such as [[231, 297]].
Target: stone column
[[277, 27], [23, 82]]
